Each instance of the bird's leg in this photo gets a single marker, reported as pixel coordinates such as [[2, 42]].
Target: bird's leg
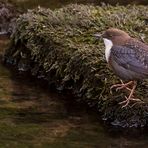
[[129, 98], [122, 85]]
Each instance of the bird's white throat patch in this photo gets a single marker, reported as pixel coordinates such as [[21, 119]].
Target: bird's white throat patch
[[108, 45]]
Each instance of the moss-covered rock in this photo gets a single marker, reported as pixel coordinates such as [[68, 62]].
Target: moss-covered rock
[[58, 46], [8, 14]]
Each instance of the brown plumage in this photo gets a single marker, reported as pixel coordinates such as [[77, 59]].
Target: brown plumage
[[128, 57]]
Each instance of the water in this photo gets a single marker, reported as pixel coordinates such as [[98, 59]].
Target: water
[[33, 116]]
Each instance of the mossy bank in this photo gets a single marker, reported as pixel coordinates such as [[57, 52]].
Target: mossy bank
[[59, 46], [8, 14]]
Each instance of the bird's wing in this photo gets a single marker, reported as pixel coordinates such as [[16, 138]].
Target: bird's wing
[[131, 58]]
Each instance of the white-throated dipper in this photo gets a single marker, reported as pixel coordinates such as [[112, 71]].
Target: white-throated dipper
[[127, 57]]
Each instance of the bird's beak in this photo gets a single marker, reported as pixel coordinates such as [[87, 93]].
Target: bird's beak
[[97, 35]]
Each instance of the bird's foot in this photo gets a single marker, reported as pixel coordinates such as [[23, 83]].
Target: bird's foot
[[119, 87], [127, 101], [122, 86]]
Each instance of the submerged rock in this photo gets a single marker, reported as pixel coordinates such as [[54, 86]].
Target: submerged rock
[[58, 45]]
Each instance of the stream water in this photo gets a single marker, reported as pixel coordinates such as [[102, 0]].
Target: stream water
[[33, 116]]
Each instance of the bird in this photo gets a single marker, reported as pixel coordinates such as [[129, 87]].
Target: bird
[[128, 58]]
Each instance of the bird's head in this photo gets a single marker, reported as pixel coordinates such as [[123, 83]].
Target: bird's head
[[114, 36]]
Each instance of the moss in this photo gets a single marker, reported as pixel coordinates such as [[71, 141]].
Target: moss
[[8, 14], [59, 46]]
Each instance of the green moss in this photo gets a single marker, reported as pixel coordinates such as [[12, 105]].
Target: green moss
[[59, 45]]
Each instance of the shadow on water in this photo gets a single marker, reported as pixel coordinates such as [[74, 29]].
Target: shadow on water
[[33, 116]]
